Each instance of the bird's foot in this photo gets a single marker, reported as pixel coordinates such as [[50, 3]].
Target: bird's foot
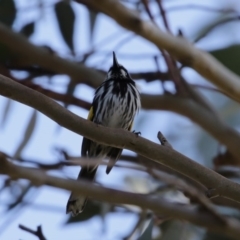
[[98, 122], [137, 133]]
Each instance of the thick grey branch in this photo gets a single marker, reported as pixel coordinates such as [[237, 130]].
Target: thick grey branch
[[208, 120], [120, 138]]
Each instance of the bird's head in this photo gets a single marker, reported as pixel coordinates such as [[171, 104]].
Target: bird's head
[[117, 71]]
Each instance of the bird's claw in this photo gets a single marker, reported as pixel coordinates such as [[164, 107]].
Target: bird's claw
[[137, 133]]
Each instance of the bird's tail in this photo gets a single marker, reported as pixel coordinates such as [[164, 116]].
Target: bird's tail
[[76, 202]]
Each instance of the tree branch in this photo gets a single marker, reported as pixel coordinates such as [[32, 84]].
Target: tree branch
[[160, 206], [183, 51], [120, 138]]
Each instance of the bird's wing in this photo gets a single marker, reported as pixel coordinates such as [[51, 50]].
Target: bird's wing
[[77, 202], [86, 142], [115, 154]]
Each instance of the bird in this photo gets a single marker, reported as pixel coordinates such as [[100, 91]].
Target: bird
[[115, 104]]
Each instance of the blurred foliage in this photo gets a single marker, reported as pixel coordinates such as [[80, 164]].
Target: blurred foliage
[[147, 233], [92, 19], [66, 19], [180, 230], [213, 236], [228, 56], [8, 12]]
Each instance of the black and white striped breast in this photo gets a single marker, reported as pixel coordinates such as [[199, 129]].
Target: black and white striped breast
[[116, 103]]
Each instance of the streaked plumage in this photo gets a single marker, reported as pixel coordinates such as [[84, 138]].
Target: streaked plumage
[[115, 104]]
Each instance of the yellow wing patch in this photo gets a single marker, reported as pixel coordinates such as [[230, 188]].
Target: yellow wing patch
[[90, 114]]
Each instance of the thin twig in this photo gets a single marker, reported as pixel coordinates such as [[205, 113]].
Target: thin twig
[[38, 233], [163, 13], [173, 69], [171, 64]]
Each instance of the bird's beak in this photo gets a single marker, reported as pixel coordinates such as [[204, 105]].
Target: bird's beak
[[115, 62]]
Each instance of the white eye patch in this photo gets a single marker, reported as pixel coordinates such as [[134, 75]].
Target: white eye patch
[[123, 72], [109, 74], [115, 73]]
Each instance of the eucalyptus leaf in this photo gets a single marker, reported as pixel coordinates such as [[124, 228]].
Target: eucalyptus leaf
[[66, 20], [7, 12], [28, 29], [6, 111], [229, 57], [147, 234], [92, 20], [27, 135], [70, 89]]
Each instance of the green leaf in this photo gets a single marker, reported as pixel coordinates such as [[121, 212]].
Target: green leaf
[[27, 136], [7, 12], [228, 57], [66, 19], [28, 29], [147, 234], [92, 20]]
